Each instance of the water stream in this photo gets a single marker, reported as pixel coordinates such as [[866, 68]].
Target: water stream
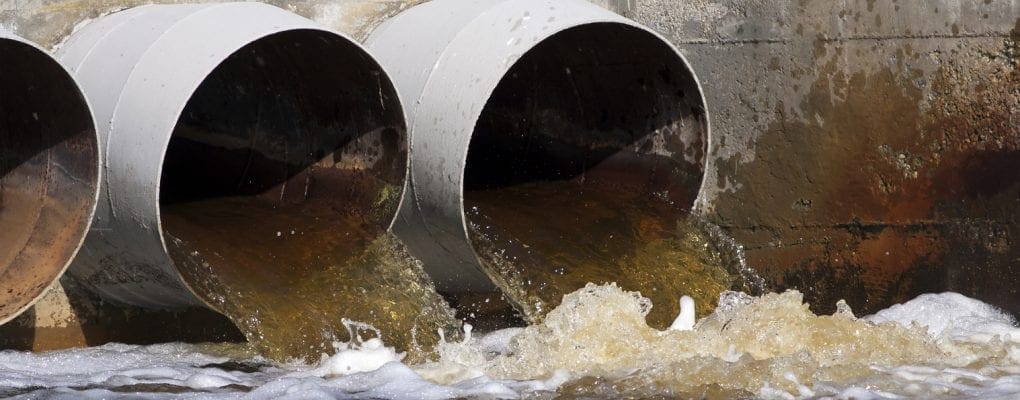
[[542, 240], [289, 276]]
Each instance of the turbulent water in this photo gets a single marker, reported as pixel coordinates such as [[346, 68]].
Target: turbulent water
[[596, 344], [771, 346], [289, 276], [542, 240]]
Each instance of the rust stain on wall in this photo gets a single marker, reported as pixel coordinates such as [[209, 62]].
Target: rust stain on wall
[[889, 182]]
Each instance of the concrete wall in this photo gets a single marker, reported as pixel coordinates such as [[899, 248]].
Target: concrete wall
[[863, 149]]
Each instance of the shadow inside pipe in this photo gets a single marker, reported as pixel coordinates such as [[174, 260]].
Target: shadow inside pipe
[[278, 188], [48, 173], [584, 166]]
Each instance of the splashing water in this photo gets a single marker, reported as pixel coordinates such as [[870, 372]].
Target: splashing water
[[542, 240], [770, 346], [595, 345], [311, 270]]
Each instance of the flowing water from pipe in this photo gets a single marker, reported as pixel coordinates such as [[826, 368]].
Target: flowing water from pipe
[[542, 240], [289, 275]]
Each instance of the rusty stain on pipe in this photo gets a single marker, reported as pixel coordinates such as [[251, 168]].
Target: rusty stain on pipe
[[49, 172]]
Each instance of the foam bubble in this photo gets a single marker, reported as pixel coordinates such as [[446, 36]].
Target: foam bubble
[[684, 321], [354, 358]]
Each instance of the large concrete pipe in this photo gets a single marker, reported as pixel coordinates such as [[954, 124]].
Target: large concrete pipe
[[552, 135], [49, 172], [249, 152]]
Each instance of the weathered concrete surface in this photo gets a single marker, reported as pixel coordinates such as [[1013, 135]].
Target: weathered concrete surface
[[864, 149]]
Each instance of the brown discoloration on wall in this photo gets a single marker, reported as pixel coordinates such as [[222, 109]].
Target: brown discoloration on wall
[[872, 162], [883, 188]]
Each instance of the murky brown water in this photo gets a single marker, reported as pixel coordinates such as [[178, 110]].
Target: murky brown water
[[770, 346], [541, 241], [290, 275]]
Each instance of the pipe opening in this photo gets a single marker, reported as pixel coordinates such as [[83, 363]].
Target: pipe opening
[[49, 172], [585, 157], [284, 171]]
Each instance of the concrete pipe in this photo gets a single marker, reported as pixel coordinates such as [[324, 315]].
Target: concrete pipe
[[552, 135], [49, 172], [237, 132]]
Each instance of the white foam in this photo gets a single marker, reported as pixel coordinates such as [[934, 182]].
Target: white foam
[[952, 315], [351, 359], [684, 321], [211, 378], [370, 370], [498, 342], [114, 363], [391, 381]]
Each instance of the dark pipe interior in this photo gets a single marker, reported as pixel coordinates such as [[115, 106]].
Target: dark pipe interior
[[592, 144], [48, 173], [603, 103], [290, 155]]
